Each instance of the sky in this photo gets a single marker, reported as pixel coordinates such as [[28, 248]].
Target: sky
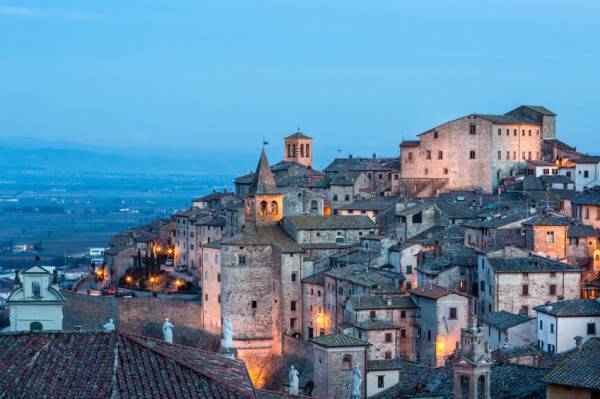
[[358, 76]]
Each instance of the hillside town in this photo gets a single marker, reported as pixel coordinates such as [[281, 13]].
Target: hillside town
[[465, 267]]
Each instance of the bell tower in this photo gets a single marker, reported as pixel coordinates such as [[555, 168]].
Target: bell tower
[[263, 205], [472, 364], [298, 148]]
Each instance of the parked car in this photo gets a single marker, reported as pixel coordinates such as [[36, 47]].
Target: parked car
[[108, 291], [124, 294]]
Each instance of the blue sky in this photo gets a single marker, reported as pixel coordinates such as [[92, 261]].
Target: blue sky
[[357, 75]]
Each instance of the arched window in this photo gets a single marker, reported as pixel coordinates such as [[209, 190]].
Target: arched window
[[464, 387], [347, 362], [302, 150], [274, 208], [481, 387], [35, 288], [289, 150], [263, 208], [36, 326], [314, 205], [307, 150]]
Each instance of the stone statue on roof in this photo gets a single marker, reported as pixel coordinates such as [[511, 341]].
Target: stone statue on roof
[[293, 377], [227, 333], [356, 381], [110, 326], [168, 331]]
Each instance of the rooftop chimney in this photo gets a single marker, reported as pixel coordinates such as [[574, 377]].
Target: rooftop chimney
[[578, 341]]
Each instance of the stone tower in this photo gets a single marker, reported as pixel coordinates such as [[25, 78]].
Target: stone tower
[[335, 357], [298, 148], [263, 205], [472, 365]]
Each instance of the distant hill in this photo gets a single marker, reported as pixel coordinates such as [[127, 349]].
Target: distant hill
[[29, 153]]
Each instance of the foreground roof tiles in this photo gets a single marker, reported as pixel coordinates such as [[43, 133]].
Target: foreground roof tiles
[[580, 369], [572, 308], [503, 320], [529, 264], [116, 365], [338, 340]]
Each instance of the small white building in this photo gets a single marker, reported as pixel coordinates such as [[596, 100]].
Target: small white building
[[36, 302], [382, 374], [587, 172], [508, 330], [560, 322]]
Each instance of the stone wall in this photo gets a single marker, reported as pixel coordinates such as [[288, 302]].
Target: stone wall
[[333, 375]]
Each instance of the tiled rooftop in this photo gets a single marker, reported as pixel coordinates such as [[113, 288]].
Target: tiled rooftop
[[529, 264], [338, 340], [503, 320], [313, 222], [572, 308], [581, 369], [382, 302], [117, 365]]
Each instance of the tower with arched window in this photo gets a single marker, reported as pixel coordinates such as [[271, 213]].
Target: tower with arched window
[[298, 148], [263, 205], [472, 365], [36, 302]]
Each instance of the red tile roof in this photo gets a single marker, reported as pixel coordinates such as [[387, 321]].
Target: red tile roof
[[118, 365]]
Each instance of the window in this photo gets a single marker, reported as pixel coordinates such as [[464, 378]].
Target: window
[[307, 150], [417, 218], [507, 155], [293, 323], [403, 314], [409, 285], [388, 355], [388, 337], [426, 171], [219, 277], [340, 291], [453, 314], [241, 259], [482, 285], [515, 155], [551, 328], [530, 132], [499, 132], [541, 324], [428, 335], [274, 208], [410, 155], [380, 381], [445, 171], [525, 290], [552, 289], [586, 174], [335, 197], [499, 155], [524, 310], [302, 150], [372, 314], [440, 154], [435, 134], [471, 154], [515, 132], [409, 269], [293, 306], [551, 348], [314, 205], [347, 362], [254, 305], [35, 326], [550, 236], [508, 132], [347, 197], [529, 155], [403, 333], [587, 213], [591, 328], [318, 293], [263, 208], [294, 277], [472, 129]]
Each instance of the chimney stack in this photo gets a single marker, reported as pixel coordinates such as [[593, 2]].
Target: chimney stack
[[578, 340]]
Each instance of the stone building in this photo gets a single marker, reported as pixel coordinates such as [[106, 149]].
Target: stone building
[[560, 324], [546, 235], [388, 322], [516, 282], [452, 267], [587, 208], [378, 171], [211, 287], [347, 187], [443, 314], [508, 330], [335, 358], [478, 150], [36, 303]]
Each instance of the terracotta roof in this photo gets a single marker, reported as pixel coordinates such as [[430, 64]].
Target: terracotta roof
[[118, 365], [434, 291], [338, 340], [581, 369], [315, 222], [503, 320], [572, 308]]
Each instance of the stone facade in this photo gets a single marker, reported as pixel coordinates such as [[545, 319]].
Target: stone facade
[[298, 148], [473, 151], [211, 288], [333, 368]]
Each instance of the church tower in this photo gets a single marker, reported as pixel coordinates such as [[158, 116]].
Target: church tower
[[263, 205], [472, 365], [298, 148]]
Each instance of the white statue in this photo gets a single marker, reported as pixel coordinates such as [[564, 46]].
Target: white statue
[[356, 381], [227, 333], [293, 381], [110, 326], [168, 331]]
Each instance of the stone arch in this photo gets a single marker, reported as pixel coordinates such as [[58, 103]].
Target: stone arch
[[274, 208], [347, 362], [464, 387], [262, 211]]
